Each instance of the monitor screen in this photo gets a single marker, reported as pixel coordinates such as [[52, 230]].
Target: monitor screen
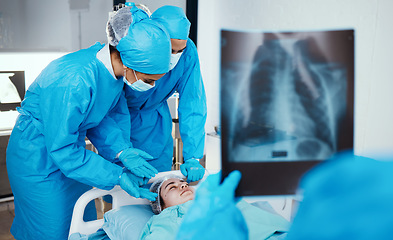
[[12, 89], [287, 103]]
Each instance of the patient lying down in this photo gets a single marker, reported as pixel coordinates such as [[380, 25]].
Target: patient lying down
[[174, 198]]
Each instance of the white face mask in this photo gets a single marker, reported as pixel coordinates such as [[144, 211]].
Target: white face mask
[[139, 85], [174, 59]]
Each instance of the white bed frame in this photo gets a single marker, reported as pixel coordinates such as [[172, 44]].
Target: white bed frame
[[119, 198]]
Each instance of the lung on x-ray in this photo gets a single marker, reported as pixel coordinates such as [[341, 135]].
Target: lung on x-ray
[[286, 96]]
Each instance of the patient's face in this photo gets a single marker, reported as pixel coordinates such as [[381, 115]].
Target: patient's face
[[174, 192]]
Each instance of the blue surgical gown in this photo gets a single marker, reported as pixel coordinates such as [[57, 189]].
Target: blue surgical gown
[[151, 121], [47, 163]]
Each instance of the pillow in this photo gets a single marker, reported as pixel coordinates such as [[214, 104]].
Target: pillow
[[126, 222]]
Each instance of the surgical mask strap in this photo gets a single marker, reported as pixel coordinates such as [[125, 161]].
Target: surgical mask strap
[[138, 85], [135, 75], [125, 78]]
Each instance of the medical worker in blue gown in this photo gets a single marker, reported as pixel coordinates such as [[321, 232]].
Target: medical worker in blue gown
[[76, 96], [151, 121]]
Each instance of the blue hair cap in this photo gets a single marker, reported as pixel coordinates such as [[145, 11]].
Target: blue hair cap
[[174, 20], [147, 47]]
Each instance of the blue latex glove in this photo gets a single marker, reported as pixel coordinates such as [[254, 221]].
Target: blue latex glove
[[131, 183], [214, 214], [192, 169], [135, 160]]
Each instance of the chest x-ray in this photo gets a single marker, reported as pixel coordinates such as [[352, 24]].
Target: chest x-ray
[[286, 96]]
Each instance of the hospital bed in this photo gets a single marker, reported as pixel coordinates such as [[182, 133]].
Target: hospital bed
[[119, 198], [122, 200]]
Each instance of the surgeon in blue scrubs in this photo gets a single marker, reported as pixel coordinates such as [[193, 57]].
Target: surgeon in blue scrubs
[[151, 121], [76, 96]]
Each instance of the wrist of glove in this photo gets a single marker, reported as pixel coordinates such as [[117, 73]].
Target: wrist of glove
[[192, 169], [135, 160], [132, 184]]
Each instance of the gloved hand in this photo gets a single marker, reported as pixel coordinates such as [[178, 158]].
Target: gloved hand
[[214, 208], [192, 169], [131, 183], [135, 160]]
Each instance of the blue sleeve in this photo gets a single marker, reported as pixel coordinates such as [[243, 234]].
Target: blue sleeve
[[112, 135], [192, 106], [62, 117]]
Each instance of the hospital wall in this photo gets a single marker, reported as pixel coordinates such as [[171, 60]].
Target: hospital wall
[[61, 25], [48, 25], [371, 20]]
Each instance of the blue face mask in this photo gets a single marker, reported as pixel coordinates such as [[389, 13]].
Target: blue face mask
[[139, 85]]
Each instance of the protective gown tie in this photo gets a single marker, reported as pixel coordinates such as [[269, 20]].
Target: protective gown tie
[[29, 117]]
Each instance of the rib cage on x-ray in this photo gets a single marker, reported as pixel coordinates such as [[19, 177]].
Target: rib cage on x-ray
[[295, 102]]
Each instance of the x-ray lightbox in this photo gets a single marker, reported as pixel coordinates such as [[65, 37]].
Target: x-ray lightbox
[[287, 103]]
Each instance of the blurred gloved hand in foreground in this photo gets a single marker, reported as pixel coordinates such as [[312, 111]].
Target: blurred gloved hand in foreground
[[346, 197], [214, 214], [192, 169], [131, 183], [135, 160]]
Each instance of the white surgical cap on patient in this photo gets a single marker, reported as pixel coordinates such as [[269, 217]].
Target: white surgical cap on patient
[[156, 187]]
